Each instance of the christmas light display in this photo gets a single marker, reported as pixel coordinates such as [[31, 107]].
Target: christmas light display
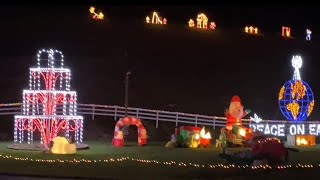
[[286, 32], [96, 16], [255, 118], [296, 99], [251, 30], [156, 19], [49, 106], [156, 162], [213, 25], [202, 22], [191, 23], [61, 145], [308, 34], [118, 134]]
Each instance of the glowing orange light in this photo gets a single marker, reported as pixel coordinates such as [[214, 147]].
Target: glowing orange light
[[251, 30], [246, 29], [310, 107], [302, 141], [281, 93], [191, 23], [294, 108], [298, 90], [286, 31], [156, 19], [147, 19], [97, 16], [202, 21]]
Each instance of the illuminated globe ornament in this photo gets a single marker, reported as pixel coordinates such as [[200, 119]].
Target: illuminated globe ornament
[[296, 98]]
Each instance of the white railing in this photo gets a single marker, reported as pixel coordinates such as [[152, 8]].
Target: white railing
[[145, 114]]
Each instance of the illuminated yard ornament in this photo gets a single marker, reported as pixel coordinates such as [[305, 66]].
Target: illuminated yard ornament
[[147, 19], [48, 105], [286, 32], [213, 25], [61, 145], [296, 99], [308, 34], [96, 16], [251, 30], [191, 23], [156, 19], [255, 118], [202, 22], [205, 138], [118, 133]]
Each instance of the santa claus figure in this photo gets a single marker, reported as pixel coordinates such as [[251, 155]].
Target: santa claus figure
[[235, 112]]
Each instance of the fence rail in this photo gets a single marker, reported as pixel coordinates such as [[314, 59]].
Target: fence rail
[[146, 114]]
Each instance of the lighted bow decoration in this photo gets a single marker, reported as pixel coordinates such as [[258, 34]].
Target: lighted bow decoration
[[97, 16]]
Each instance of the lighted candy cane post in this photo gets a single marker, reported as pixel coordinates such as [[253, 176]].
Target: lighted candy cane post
[[48, 105]]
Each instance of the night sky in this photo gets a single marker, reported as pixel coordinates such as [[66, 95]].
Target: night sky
[[173, 67]]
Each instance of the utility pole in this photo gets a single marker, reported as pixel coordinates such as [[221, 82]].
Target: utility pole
[[126, 94], [125, 128]]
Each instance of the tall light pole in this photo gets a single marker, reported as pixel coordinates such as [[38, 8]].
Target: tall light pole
[[126, 94]]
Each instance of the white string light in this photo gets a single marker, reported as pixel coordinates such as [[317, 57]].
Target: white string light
[[297, 64], [52, 77]]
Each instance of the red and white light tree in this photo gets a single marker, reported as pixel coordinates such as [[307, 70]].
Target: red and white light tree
[[49, 106]]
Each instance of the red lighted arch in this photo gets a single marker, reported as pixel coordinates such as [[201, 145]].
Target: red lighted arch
[[118, 134]]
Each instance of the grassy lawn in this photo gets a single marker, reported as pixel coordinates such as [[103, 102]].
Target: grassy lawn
[[136, 170]]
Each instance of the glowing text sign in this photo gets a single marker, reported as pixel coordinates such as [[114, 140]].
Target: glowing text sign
[[282, 130]]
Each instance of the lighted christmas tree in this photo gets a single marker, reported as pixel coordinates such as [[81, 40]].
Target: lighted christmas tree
[[49, 106]]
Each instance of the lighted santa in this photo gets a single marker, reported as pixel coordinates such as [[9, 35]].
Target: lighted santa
[[234, 132], [235, 112]]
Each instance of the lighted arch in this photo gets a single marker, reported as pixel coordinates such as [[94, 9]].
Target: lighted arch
[[118, 134]]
